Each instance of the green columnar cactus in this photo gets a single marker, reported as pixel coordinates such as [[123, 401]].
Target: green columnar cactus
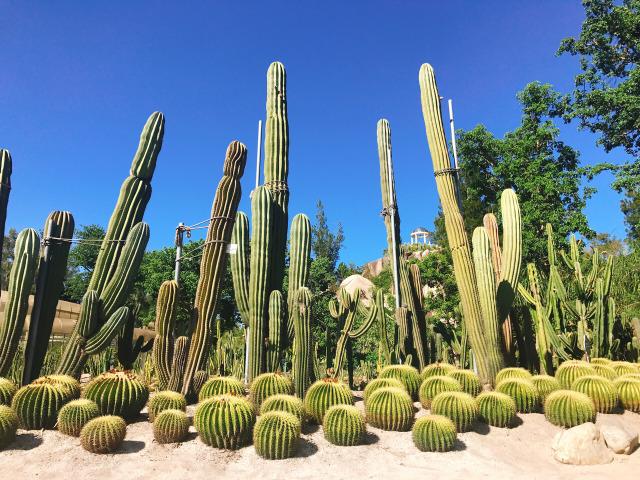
[[7, 391], [432, 386], [605, 371], [201, 376], [276, 435], [23, 270], [600, 390], [629, 393], [128, 349], [497, 409], [571, 370], [469, 380], [224, 421], [8, 425], [164, 342], [523, 392], [283, 403], [545, 384], [460, 407], [51, 274], [75, 414], [324, 394], [343, 425], [118, 393], [623, 368], [221, 386], [6, 166], [390, 409], [299, 263], [567, 408], [407, 374], [377, 383], [268, 384], [180, 353], [167, 400], [437, 370], [512, 372], [171, 426], [434, 433], [37, 404], [302, 343], [276, 321], [103, 434]]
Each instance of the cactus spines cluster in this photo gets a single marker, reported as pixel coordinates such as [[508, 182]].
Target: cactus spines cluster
[[435, 385], [221, 386], [224, 421], [37, 404], [545, 384], [377, 383], [512, 372], [408, 375], [569, 371], [460, 407], [103, 434], [600, 390], [343, 425], [8, 425], [6, 166], [523, 392], [163, 344], [23, 270], [390, 409], [171, 426], [166, 400], [267, 384], [75, 414], [469, 380], [629, 393], [118, 393], [434, 433], [496, 409], [276, 434], [437, 369], [283, 403], [7, 390], [324, 394], [567, 408]]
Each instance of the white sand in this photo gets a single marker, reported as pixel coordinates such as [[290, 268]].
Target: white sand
[[520, 452]]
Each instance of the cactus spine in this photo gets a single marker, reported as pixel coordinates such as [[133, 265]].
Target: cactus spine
[[103, 434]]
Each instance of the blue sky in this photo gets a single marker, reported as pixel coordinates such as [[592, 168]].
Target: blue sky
[[80, 78]]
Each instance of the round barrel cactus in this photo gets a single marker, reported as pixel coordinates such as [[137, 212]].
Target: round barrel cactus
[[605, 371], [469, 380], [8, 425], [7, 391], [377, 383], [569, 371], [512, 372], [628, 393], [545, 384], [38, 404], [523, 392], [103, 434], [75, 414], [225, 421], [390, 408], [118, 393], [268, 384], [496, 409], [170, 426], [460, 407], [324, 394], [437, 370], [276, 435], [600, 361], [432, 386], [567, 408], [221, 386], [632, 376], [283, 403], [65, 381], [434, 433], [166, 400], [408, 375], [343, 425], [601, 391], [623, 368]]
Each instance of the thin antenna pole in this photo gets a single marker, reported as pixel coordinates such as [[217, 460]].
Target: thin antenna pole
[[455, 151], [258, 153], [179, 237], [392, 213]]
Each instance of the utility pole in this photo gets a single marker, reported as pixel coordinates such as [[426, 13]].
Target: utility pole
[[179, 238]]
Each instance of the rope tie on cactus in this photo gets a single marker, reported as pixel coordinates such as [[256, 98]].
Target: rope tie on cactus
[[277, 186], [97, 242], [444, 171]]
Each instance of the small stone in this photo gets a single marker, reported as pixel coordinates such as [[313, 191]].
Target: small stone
[[581, 445], [619, 439]]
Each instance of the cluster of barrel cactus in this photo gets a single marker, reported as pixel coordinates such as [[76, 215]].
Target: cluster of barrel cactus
[[407, 375], [523, 392], [166, 400], [460, 407], [283, 403], [268, 384], [118, 393], [324, 394], [103, 434], [377, 383], [434, 385]]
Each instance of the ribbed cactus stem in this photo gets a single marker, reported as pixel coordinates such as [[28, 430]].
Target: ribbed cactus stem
[[240, 265], [276, 321], [302, 343], [299, 262], [6, 166], [178, 363], [163, 343]]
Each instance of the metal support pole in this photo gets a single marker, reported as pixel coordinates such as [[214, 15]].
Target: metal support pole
[[179, 237], [455, 152]]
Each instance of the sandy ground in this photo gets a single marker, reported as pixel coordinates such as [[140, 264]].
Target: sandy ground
[[523, 451]]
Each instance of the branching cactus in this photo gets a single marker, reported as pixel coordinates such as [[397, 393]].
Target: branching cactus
[[128, 349]]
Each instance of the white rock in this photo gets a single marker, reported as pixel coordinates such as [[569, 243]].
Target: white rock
[[619, 439], [581, 445]]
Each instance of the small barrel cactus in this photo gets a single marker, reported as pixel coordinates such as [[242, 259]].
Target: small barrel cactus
[[377, 383], [390, 409], [103, 434], [409, 376], [523, 392], [8, 425], [628, 393], [225, 421], [605, 371], [75, 414], [569, 371], [437, 370], [460, 407], [268, 384], [343, 425], [469, 380], [512, 372], [434, 433], [166, 400], [118, 393], [495, 408], [632, 376], [600, 361], [170, 426], [221, 386], [69, 383], [623, 368], [37, 405], [324, 394], [276, 435], [601, 391], [7, 391], [432, 386], [545, 384], [283, 403], [567, 408]]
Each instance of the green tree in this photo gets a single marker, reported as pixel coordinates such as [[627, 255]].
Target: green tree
[[82, 261], [7, 255], [325, 243]]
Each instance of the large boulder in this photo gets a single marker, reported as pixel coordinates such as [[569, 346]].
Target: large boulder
[[353, 282], [618, 437], [581, 445]]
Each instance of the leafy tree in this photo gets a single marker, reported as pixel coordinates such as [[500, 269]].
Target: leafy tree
[[7, 255], [325, 243], [82, 261]]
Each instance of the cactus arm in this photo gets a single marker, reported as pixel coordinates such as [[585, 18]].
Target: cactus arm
[[165, 318], [276, 321], [178, 363], [299, 261], [103, 337], [350, 310], [302, 343], [511, 253], [239, 265]]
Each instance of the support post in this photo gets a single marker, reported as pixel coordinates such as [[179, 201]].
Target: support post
[[455, 151], [179, 237]]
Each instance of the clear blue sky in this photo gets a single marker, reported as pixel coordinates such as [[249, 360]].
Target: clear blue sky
[[79, 79]]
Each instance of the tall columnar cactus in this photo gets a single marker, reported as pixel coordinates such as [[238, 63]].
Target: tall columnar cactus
[[163, 344], [128, 349], [103, 434], [6, 166], [302, 343], [21, 278], [225, 421], [118, 393]]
